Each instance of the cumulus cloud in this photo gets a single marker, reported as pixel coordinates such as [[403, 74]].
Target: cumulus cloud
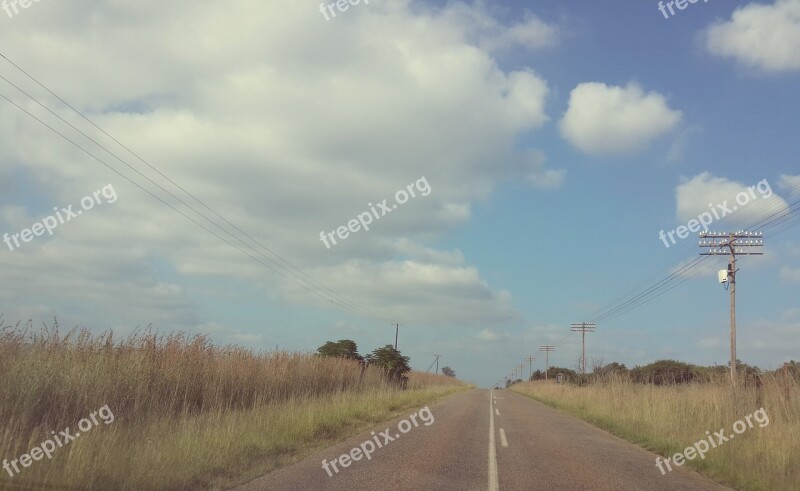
[[286, 124], [766, 37], [705, 192], [607, 120], [434, 294]]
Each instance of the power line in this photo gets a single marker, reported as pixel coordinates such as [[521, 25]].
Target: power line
[[285, 269], [635, 298]]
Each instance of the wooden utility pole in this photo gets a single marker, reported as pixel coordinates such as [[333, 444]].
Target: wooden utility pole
[[530, 359], [583, 328], [396, 332], [547, 348], [733, 244]]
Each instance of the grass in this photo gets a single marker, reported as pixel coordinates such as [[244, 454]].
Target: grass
[[669, 418], [187, 414]]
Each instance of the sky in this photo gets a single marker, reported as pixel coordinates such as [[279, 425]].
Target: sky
[[483, 174]]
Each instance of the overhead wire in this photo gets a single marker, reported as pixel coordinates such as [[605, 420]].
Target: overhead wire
[[285, 269]]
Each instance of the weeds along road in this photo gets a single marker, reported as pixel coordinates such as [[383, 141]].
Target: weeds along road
[[486, 440]]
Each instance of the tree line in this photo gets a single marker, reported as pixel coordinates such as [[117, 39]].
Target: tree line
[[661, 372], [387, 359]]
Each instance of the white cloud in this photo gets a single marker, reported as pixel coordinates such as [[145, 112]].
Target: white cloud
[[693, 196], [288, 125], [766, 37], [607, 120], [420, 293]]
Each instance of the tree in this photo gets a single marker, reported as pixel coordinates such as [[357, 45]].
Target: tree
[[394, 365], [344, 348], [449, 372], [666, 372], [569, 375], [614, 368]]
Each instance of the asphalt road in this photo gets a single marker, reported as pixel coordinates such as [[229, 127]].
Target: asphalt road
[[482, 440]]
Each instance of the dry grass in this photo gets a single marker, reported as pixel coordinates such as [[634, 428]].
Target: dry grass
[[188, 415], [668, 419]]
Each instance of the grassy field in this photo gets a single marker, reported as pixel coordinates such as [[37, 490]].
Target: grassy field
[[181, 413], [668, 419]]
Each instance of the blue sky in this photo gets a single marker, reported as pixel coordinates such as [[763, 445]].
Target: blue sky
[[558, 139]]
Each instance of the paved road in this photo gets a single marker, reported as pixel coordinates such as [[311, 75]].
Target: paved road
[[483, 440]]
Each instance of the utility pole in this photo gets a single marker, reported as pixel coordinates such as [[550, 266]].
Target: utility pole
[[530, 359], [733, 244], [437, 365], [396, 332], [547, 348], [583, 328]]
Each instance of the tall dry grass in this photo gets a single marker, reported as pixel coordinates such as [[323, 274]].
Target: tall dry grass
[[187, 413], [669, 418]]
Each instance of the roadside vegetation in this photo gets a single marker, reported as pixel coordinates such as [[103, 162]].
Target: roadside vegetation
[[668, 406], [187, 414]]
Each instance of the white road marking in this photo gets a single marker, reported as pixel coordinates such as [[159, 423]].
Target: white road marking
[[497, 411], [494, 482], [503, 440]]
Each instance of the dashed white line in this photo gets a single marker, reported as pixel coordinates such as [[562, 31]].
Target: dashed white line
[[494, 482], [497, 411], [503, 440]]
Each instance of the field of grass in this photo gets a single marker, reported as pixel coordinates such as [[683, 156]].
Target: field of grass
[[669, 418], [186, 414]]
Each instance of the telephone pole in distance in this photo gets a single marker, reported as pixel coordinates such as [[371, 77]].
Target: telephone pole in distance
[[547, 348], [530, 359], [583, 328]]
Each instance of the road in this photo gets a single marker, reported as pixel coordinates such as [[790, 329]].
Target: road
[[483, 440]]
